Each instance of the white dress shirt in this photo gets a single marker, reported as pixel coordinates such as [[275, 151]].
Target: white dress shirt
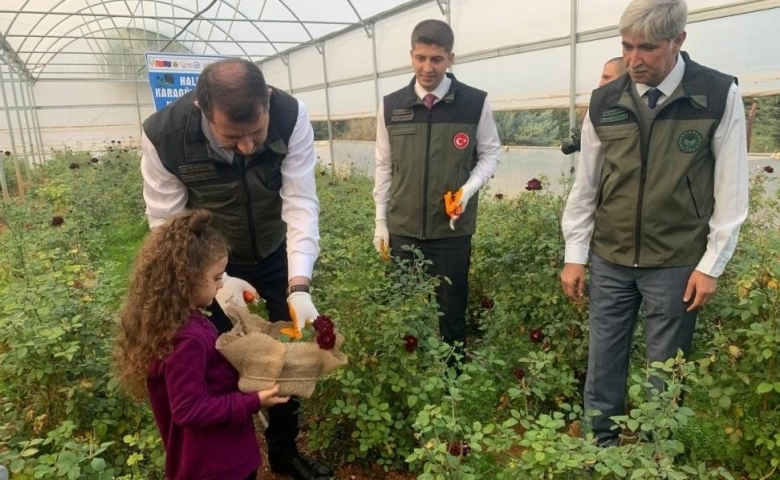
[[729, 147], [165, 195], [488, 145]]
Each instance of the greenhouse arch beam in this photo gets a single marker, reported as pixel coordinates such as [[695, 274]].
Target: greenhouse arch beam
[[74, 39], [103, 17], [12, 58]]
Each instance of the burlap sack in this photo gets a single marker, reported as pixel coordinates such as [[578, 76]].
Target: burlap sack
[[262, 360]]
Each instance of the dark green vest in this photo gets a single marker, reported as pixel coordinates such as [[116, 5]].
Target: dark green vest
[[656, 193], [243, 196], [433, 151]]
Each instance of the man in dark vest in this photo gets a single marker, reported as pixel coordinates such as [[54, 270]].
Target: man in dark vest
[[245, 151], [657, 203], [434, 136]]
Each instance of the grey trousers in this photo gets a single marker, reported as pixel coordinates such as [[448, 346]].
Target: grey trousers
[[616, 293]]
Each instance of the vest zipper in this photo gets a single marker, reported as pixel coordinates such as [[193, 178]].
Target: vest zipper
[[425, 175], [645, 147], [239, 160]]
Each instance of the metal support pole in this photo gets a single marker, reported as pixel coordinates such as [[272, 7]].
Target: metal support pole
[[37, 121], [26, 106], [21, 136], [138, 110], [321, 49], [7, 113], [372, 28], [573, 77]]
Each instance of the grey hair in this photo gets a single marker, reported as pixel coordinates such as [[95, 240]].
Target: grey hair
[[655, 19]]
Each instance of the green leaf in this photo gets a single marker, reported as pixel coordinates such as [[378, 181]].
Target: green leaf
[[724, 402], [764, 387]]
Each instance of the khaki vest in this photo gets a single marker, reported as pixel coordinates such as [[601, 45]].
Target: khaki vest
[[656, 193], [243, 196], [433, 151]]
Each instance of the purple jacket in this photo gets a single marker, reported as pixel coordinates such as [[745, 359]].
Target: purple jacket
[[204, 420]]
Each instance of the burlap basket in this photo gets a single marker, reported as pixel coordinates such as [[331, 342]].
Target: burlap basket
[[262, 360]]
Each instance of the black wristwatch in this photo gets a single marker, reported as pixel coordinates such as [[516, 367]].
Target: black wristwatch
[[297, 288]]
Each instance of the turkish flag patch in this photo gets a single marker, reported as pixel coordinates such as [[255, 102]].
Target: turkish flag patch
[[460, 140]]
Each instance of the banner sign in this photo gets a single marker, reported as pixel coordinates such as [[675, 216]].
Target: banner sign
[[172, 75]]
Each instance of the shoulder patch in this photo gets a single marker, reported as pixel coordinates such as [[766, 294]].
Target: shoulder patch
[[402, 115], [613, 115]]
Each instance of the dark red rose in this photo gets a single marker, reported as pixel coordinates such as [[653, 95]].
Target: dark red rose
[[499, 196], [459, 449], [411, 343], [73, 166], [7, 153], [536, 335], [519, 373], [57, 220], [323, 323], [769, 169], [113, 141], [326, 340], [533, 184], [94, 160], [488, 303]]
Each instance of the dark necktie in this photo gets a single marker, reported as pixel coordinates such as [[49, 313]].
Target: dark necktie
[[429, 99], [652, 97]]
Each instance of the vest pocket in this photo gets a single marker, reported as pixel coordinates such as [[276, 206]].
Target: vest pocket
[[213, 197], [617, 132], [402, 129]]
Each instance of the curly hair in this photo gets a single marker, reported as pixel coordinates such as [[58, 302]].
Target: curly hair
[[167, 271]]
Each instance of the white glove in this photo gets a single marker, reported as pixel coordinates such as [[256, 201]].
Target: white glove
[[232, 292], [381, 237], [301, 308], [468, 192]]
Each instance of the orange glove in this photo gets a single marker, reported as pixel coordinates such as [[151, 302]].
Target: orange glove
[[453, 206]]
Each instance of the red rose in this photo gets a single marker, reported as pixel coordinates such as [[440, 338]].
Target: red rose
[[536, 335], [459, 449], [519, 373], [326, 340], [488, 303], [411, 343], [57, 220], [769, 169], [533, 184], [323, 323]]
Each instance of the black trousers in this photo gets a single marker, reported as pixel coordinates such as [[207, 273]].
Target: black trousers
[[451, 258], [269, 277]]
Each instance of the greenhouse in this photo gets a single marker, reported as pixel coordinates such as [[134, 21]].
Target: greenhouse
[[78, 79]]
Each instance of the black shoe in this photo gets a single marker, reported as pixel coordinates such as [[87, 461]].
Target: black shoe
[[301, 468]]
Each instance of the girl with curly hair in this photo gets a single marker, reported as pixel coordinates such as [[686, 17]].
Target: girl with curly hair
[[165, 350]]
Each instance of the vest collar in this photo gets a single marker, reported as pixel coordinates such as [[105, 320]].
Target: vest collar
[[410, 99], [692, 87], [197, 144]]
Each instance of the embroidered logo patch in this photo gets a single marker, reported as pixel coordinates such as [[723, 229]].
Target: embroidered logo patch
[[460, 140], [689, 141], [614, 115], [402, 115]]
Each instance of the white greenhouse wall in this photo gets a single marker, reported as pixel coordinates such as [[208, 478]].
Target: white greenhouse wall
[[515, 50]]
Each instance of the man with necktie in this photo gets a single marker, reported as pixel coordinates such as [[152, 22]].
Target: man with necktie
[[436, 135], [244, 151], [659, 196]]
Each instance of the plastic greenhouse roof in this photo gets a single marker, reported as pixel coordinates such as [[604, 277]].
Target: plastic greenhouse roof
[[69, 39]]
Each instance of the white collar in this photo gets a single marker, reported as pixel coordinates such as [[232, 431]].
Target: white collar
[[440, 91], [670, 83]]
